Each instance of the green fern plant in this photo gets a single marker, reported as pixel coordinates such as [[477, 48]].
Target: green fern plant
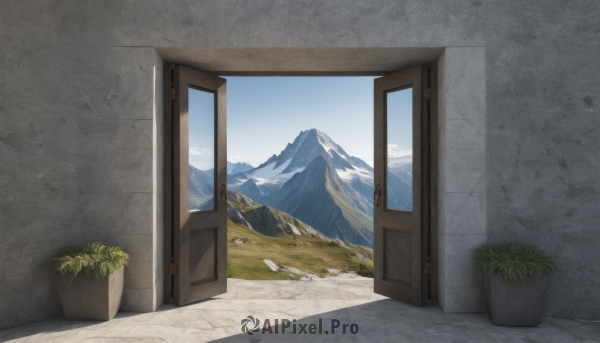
[[95, 258], [514, 261]]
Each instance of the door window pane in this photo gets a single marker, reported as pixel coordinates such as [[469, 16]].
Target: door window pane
[[202, 149], [399, 170]]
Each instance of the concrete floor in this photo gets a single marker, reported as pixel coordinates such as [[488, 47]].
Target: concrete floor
[[351, 301]]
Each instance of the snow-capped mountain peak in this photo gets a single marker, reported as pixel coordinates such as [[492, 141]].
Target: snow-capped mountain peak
[[297, 155], [315, 180]]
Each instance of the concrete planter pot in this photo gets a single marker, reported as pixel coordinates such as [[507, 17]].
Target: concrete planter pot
[[89, 299], [515, 303]]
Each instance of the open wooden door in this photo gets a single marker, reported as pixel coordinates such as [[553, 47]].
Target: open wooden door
[[199, 159], [401, 167]]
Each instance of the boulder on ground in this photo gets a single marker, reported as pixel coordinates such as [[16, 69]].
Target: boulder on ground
[[293, 270], [271, 265], [310, 277], [336, 242], [331, 270]]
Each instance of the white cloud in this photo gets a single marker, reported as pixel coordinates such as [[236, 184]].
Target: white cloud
[[203, 152], [395, 151]]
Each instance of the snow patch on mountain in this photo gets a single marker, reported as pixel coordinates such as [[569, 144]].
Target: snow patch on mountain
[[280, 178], [351, 174], [272, 174], [269, 171]]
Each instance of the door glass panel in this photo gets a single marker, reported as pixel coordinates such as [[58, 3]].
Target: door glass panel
[[399, 169], [202, 150]]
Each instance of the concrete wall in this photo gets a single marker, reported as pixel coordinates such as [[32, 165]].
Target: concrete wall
[[80, 145], [76, 140], [543, 132], [462, 185]]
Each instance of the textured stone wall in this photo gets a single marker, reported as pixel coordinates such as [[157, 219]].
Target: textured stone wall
[[462, 192], [543, 123], [80, 145], [76, 139]]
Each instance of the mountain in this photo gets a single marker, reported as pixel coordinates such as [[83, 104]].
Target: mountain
[[233, 168], [400, 163], [257, 234], [316, 181], [202, 190], [399, 193], [319, 197], [251, 189], [266, 220], [278, 169], [271, 222], [308, 145]]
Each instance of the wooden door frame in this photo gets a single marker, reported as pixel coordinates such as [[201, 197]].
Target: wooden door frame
[[430, 235], [168, 79], [433, 180]]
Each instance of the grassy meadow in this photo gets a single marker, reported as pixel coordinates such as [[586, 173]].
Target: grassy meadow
[[309, 254]]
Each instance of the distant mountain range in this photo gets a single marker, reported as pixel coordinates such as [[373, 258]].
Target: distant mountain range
[[233, 168], [315, 180], [202, 189]]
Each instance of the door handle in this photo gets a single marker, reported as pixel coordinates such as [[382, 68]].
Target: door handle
[[224, 194], [377, 195]]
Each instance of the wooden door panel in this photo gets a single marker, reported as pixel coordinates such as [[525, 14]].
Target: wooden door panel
[[397, 256], [199, 233], [391, 222], [399, 231], [203, 256]]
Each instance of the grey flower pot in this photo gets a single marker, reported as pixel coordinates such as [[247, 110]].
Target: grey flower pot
[[89, 299], [515, 303]]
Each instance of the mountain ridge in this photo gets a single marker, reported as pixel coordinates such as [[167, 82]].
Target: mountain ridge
[[316, 181], [319, 197], [265, 219]]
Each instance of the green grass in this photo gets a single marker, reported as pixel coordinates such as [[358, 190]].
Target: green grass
[[514, 261], [95, 258], [365, 270], [245, 261]]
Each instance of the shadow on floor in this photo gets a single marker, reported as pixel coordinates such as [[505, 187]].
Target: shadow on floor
[[48, 326], [375, 319], [391, 321]]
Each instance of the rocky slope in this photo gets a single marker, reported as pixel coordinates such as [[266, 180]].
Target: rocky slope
[[319, 197]]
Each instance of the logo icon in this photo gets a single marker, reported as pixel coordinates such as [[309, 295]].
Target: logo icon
[[250, 320]]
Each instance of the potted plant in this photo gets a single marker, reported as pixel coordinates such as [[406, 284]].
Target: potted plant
[[515, 278], [91, 285]]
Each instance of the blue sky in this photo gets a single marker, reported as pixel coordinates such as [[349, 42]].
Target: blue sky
[[266, 113], [399, 122], [201, 128]]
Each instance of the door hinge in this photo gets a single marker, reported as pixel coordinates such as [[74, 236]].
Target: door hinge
[[173, 94], [427, 94], [173, 269], [427, 269]]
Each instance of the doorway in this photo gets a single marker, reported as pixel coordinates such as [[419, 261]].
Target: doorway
[[289, 218], [195, 255]]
